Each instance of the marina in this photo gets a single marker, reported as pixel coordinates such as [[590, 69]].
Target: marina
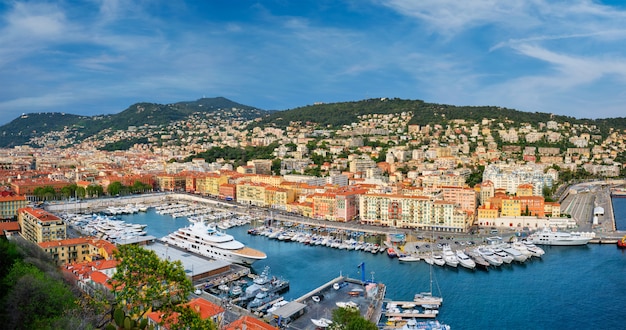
[[460, 287]]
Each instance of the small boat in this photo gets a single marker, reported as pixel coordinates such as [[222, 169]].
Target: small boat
[[391, 253], [322, 322], [409, 258], [621, 243], [515, 253]]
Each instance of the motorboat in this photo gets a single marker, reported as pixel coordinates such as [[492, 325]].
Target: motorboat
[[479, 260], [449, 257], [515, 253], [621, 243], [465, 260], [322, 322], [506, 258], [267, 283], [521, 247], [409, 258], [555, 237], [489, 256], [206, 240], [534, 249], [438, 259]]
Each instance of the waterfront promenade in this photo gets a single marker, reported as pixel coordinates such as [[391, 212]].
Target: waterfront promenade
[[579, 201]]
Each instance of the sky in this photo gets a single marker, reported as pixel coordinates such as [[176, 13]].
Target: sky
[[97, 57]]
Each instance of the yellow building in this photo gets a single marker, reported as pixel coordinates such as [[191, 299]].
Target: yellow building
[[10, 204], [38, 225], [252, 194], [209, 183], [525, 189], [278, 198], [511, 207], [76, 250], [487, 211]]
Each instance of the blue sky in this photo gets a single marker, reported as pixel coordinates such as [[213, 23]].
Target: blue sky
[[99, 56]]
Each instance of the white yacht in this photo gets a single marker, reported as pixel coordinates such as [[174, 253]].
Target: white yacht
[[506, 258], [438, 259], [534, 249], [515, 253], [206, 240], [449, 256], [465, 260], [488, 255], [550, 237]]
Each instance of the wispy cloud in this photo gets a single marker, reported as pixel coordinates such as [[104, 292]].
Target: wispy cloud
[[104, 55]]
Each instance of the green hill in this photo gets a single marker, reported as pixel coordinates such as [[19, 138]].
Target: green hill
[[21, 130]]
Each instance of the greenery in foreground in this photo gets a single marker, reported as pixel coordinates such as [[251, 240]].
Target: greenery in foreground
[[350, 319], [34, 294]]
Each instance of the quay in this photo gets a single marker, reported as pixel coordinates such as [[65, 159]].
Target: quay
[[319, 303]]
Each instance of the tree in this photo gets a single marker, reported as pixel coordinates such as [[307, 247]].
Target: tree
[[94, 190], [348, 318], [33, 294], [143, 283], [276, 164], [115, 188]]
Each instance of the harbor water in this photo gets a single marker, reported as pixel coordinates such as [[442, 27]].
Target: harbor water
[[569, 288]]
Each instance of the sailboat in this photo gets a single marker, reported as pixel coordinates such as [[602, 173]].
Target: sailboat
[[426, 299]]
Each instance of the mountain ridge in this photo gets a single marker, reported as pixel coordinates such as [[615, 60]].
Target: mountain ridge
[[328, 115]]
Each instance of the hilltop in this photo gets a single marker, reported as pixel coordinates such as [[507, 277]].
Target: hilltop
[[22, 129], [325, 115]]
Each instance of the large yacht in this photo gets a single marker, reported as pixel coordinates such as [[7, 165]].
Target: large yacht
[[549, 237], [208, 241]]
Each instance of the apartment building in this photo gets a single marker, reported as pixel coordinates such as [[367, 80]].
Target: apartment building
[[38, 225], [9, 204]]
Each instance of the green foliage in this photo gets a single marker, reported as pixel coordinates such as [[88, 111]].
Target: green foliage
[[190, 319], [476, 176], [124, 144], [45, 193], [34, 295], [237, 155], [143, 281], [121, 321], [349, 318], [115, 188]]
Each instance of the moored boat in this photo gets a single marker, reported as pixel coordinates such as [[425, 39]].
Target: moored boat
[[621, 243], [409, 258], [554, 237], [465, 260], [449, 257], [206, 240]]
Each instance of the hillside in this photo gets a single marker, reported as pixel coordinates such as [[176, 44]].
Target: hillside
[[336, 115], [22, 129], [330, 115]]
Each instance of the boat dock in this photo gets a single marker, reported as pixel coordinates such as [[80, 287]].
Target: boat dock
[[319, 303]]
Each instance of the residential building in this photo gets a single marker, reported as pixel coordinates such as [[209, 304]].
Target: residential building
[[38, 225], [9, 204]]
